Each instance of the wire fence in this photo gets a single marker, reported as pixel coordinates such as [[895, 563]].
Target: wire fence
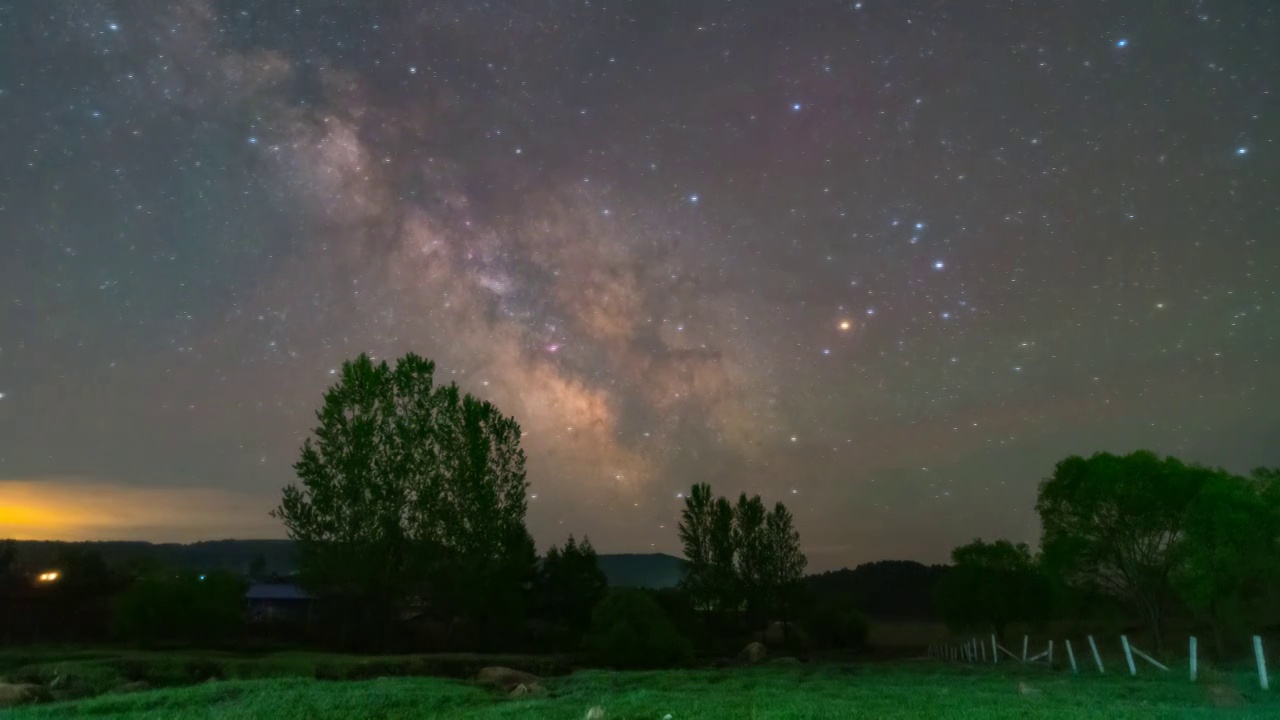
[[982, 650]]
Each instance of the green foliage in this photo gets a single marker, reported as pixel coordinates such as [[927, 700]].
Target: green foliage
[[1117, 523], [880, 690], [182, 607], [405, 486], [991, 585], [571, 584], [834, 623], [695, 531], [740, 553], [630, 630], [1229, 561], [784, 561]]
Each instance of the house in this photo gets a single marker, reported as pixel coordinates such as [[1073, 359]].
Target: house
[[277, 602]]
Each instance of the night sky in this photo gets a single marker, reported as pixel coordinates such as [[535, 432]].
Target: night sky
[[885, 261]]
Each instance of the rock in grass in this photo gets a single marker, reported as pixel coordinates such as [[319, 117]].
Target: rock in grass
[[1025, 689], [505, 678], [752, 653], [12, 694], [595, 713]]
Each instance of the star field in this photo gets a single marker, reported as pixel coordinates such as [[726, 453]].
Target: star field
[[884, 261]]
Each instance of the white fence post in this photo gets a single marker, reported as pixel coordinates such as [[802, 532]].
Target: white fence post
[[982, 649], [1050, 653], [995, 650], [1191, 655], [1024, 648], [1262, 662], [1096, 657], [1128, 655], [1072, 657]]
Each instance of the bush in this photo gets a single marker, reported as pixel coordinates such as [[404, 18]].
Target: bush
[[836, 625], [181, 607], [630, 630]]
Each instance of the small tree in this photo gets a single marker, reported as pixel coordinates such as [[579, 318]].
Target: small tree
[[630, 630], [990, 586], [181, 607], [571, 584]]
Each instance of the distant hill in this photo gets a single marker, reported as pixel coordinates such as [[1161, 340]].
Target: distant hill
[[655, 571], [885, 589]]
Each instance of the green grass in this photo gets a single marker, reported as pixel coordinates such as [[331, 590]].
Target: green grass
[[899, 690]]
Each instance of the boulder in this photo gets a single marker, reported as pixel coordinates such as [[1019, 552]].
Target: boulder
[[752, 653], [595, 713], [505, 678], [12, 694]]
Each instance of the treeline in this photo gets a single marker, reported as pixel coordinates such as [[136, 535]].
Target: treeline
[[1128, 539]]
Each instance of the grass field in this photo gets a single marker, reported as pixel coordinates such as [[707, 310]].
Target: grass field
[[915, 689]]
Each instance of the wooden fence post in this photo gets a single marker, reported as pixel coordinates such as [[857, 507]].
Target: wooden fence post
[[1024, 648], [1262, 662], [982, 649], [1096, 657], [1072, 657], [1050, 653], [1191, 657], [995, 650], [1128, 655]]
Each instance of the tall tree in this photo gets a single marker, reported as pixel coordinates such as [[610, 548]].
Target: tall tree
[[784, 562], [1117, 523], [695, 530], [749, 538], [724, 557], [403, 482]]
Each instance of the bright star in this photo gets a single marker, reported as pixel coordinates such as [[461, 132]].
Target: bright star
[[1242, 150], [919, 226], [113, 27], [938, 265], [693, 199], [253, 141], [1122, 43], [795, 107], [845, 325], [871, 311]]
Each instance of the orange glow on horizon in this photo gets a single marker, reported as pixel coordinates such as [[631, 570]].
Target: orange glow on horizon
[[76, 509]]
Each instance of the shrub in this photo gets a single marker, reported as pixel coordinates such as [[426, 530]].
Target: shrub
[[181, 607], [836, 625], [630, 630]]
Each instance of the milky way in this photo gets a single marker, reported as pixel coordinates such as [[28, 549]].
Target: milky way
[[884, 261]]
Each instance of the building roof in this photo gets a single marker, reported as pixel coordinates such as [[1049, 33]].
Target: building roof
[[275, 591]]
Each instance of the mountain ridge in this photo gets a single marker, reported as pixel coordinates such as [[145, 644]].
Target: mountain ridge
[[647, 570]]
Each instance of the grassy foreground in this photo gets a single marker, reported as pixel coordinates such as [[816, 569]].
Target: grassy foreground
[[901, 690]]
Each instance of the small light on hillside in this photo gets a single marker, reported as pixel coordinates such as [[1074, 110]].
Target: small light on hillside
[[48, 577]]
